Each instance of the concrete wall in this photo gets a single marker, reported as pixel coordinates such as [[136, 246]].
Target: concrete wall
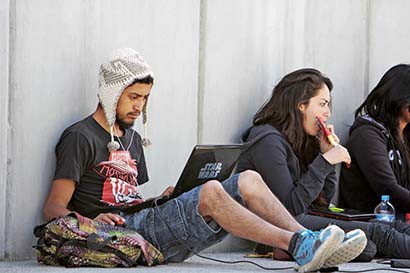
[[238, 64], [336, 43], [56, 53], [215, 63], [4, 91], [389, 41]]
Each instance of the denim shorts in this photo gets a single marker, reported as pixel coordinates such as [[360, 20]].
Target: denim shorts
[[180, 218]]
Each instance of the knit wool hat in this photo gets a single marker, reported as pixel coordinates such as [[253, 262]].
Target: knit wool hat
[[123, 67]]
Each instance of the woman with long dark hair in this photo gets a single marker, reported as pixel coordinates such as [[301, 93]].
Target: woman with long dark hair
[[379, 145], [297, 162]]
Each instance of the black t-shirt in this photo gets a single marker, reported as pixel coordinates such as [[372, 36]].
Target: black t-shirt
[[104, 181]]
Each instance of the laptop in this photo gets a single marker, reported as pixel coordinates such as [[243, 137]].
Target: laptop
[[206, 162], [345, 214]]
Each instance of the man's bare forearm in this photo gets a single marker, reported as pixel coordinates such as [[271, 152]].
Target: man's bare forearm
[[51, 212]]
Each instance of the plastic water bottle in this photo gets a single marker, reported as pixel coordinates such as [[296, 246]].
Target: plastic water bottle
[[385, 210]]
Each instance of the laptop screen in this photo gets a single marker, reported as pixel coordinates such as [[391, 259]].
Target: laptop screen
[[208, 162]]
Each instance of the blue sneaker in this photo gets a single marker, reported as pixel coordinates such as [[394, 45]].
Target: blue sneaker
[[313, 248], [353, 244]]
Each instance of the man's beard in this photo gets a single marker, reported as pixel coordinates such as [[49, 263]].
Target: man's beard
[[122, 124]]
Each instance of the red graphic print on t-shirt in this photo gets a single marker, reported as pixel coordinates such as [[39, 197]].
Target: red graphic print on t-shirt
[[121, 184]]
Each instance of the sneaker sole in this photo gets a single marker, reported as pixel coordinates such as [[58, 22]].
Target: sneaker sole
[[328, 247], [347, 251]]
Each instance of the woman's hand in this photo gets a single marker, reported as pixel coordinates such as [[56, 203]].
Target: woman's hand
[[337, 154], [325, 145], [110, 218]]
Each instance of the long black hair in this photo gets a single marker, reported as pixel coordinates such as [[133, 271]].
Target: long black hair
[[385, 103], [282, 110]]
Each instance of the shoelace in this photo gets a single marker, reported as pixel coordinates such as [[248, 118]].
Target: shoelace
[[308, 237], [347, 235]]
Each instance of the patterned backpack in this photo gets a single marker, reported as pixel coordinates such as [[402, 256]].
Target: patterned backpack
[[74, 240]]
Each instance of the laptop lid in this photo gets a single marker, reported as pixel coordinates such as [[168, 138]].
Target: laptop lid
[[205, 163], [208, 162], [346, 214]]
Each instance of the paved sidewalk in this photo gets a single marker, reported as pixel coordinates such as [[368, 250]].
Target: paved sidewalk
[[194, 264]]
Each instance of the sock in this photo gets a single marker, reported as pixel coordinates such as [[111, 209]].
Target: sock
[[293, 243]]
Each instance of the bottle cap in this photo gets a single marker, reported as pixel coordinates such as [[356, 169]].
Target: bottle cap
[[385, 197]]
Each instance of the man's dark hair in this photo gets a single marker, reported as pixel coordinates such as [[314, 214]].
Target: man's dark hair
[[282, 110], [147, 80]]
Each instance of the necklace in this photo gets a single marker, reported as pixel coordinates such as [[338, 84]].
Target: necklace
[[129, 145]]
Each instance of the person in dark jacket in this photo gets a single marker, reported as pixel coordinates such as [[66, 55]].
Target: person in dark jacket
[[379, 145], [298, 163]]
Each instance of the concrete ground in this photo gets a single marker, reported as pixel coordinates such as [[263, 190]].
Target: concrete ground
[[194, 264]]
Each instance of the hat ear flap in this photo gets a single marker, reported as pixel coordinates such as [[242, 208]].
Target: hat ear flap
[[145, 141], [144, 111]]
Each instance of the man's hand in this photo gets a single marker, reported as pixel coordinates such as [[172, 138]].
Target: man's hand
[[168, 191], [110, 218]]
